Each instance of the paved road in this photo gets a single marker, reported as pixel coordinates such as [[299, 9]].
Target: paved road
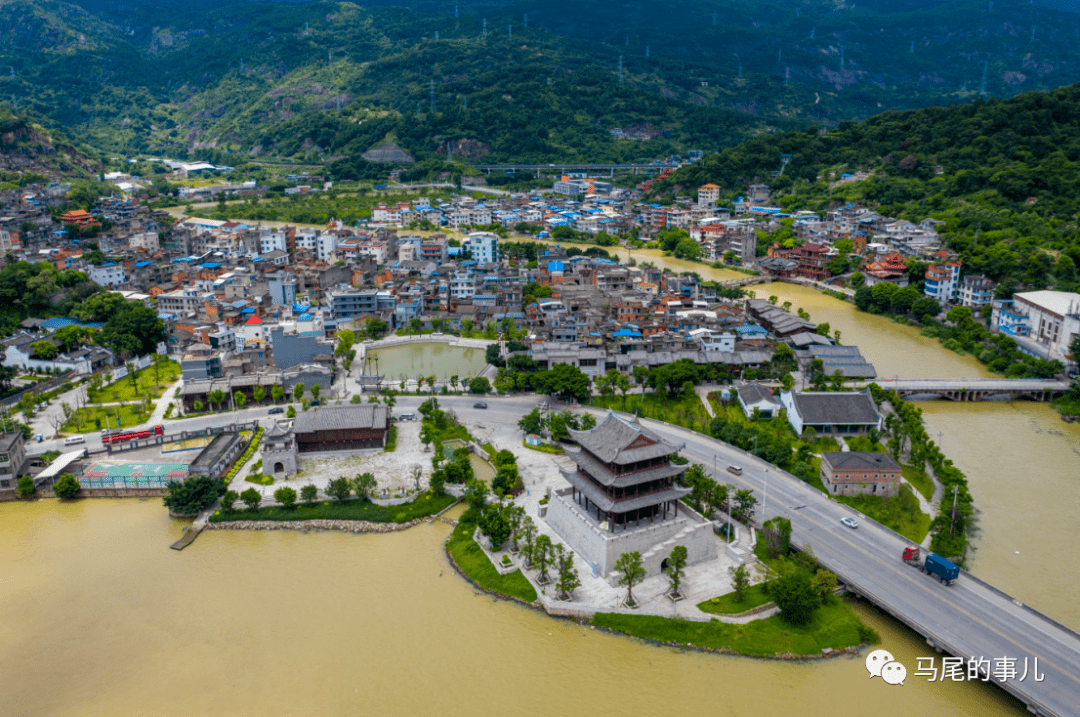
[[969, 618]]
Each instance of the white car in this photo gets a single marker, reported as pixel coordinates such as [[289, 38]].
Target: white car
[[849, 522]]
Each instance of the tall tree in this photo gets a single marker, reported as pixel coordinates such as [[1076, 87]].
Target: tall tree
[[631, 572]]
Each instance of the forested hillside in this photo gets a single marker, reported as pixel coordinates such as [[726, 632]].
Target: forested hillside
[[1003, 174], [318, 81]]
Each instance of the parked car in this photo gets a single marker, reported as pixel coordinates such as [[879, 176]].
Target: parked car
[[849, 522], [479, 404], [369, 341], [276, 411], [315, 402], [407, 417]]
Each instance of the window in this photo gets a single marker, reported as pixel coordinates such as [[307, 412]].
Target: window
[[5, 457]]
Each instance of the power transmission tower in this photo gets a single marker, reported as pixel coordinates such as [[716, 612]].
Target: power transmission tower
[[433, 96], [510, 31], [982, 85], [455, 11], [436, 36], [646, 51], [526, 21], [780, 56], [620, 69], [485, 27]]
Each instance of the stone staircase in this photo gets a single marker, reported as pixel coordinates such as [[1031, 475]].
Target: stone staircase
[[664, 549]]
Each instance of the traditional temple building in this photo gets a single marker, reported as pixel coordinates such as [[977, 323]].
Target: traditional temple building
[[624, 474], [623, 498]]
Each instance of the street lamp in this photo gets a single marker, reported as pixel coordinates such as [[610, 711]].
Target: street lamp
[[765, 502]]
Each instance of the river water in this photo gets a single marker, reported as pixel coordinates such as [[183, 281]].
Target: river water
[[101, 618]]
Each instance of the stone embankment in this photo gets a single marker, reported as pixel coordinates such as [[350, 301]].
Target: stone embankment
[[349, 526]]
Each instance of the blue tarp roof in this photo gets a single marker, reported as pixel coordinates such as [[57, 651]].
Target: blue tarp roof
[[555, 266], [248, 310], [165, 316], [209, 265], [59, 322], [300, 308], [627, 333], [144, 263], [305, 317]]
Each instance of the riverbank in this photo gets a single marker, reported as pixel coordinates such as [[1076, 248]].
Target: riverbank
[[835, 630], [351, 512], [348, 526]]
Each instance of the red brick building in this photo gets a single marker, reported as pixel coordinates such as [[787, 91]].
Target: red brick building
[[858, 473]]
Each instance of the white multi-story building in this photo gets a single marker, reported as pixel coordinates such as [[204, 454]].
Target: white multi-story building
[[107, 274], [1043, 323], [484, 247], [708, 195], [326, 247], [272, 241], [462, 286]]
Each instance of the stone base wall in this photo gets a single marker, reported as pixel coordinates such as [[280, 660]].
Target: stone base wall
[[602, 548]]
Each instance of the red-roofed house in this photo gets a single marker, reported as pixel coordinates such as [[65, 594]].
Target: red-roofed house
[[253, 332]]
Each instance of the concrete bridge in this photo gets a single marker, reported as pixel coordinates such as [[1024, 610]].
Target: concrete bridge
[[977, 389]]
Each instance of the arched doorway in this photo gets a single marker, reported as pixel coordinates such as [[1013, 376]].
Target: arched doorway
[[279, 467]]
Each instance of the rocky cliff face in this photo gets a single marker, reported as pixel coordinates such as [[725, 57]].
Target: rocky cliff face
[[25, 147]]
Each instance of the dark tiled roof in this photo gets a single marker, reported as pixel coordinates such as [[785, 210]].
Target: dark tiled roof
[[819, 409], [330, 418], [622, 506], [856, 460], [610, 440], [603, 475], [755, 392]]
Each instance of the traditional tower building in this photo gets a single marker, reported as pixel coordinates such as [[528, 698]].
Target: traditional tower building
[[624, 474], [278, 451], [623, 498]]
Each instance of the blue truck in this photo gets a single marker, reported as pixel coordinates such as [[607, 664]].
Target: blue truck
[[946, 571]]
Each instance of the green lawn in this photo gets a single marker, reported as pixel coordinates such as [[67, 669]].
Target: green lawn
[[425, 505], [889, 512], [164, 372], [922, 482], [824, 444], [687, 411], [727, 604], [863, 444], [82, 421], [834, 625], [474, 563]]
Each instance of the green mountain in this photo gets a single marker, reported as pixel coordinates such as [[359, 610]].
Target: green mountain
[[323, 82], [1003, 174], [30, 152]]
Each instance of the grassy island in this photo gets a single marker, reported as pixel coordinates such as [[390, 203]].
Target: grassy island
[[475, 565], [834, 625]]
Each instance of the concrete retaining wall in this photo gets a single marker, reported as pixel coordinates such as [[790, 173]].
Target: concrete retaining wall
[[603, 548]]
